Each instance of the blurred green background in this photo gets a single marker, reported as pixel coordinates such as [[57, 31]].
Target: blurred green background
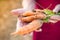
[[8, 21]]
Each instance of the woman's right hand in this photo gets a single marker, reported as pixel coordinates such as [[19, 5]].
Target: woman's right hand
[[19, 23]]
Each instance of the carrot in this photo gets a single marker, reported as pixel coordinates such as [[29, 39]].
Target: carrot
[[35, 21], [27, 19], [33, 17], [41, 16], [34, 25], [28, 13]]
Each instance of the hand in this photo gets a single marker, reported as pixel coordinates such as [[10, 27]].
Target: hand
[[17, 11], [55, 18], [19, 23], [18, 26]]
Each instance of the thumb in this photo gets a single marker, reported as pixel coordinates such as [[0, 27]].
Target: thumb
[[57, 8]]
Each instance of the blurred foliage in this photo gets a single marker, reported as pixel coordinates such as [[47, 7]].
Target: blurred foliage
[[8, 21]]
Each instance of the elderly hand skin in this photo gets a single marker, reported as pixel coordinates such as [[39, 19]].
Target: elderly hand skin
[[55, 18]]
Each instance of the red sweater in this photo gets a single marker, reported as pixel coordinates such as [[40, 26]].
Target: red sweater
[[50, 31]]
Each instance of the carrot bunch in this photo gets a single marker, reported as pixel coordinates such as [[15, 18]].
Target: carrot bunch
[[29, 16], [35, 20]]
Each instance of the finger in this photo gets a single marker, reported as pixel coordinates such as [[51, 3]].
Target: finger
[[53, 21], [55, 17], [57, 8], [18, 11]]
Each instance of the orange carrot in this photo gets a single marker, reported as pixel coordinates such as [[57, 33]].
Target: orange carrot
[[28, 13], [34, 25], [33, 17], [27, 19], [41, 16]]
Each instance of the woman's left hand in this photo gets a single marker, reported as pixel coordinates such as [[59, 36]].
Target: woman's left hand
[[55, 18]]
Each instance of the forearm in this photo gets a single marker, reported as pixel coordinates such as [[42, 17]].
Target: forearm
[[28, 4]]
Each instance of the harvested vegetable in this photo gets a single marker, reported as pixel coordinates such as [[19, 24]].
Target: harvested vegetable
[[28, 13], [35, 19], [35, 24]]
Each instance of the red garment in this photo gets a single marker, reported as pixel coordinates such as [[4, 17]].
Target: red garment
[[50, 31], [46, 3]]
